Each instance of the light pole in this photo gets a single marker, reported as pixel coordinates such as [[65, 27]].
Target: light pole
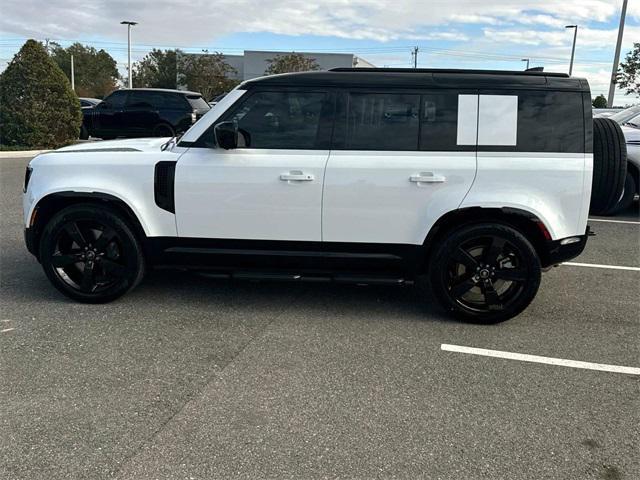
[[573, 48], [129, 25], [526, 60], [616, 58]]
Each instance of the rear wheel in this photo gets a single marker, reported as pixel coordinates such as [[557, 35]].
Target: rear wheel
[[163, 130], [90, 254], [485, 272], [627, 196]]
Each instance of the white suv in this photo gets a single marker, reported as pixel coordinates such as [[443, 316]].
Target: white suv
[[477, 179]]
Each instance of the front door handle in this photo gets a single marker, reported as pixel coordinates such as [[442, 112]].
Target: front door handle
[[296, 176], [427, 177]]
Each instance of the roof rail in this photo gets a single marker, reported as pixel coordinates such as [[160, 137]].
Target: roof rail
[[447, 70]]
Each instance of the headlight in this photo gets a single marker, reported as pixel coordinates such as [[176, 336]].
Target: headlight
[[27, 177]]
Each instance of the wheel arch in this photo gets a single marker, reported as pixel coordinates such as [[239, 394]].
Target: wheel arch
[[52, 203], [529, 224]]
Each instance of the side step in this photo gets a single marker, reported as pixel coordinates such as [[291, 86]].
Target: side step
[[305, 277]]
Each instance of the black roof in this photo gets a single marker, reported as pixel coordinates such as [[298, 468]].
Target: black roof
[[165, 90], [425, 78]]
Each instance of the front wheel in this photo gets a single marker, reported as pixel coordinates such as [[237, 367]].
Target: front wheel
[[485, 273], [90, 254]]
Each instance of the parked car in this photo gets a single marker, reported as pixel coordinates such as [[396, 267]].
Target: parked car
[[86, 102], [143, 112], [479, 180]]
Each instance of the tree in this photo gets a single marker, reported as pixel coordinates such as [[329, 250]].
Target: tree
[[291, 62], [38, 109], [600, 102], [629, 72], [96, 72], [206, 73], [158, 69]]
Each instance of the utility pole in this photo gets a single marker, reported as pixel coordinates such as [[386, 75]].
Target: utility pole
[[414, 55], [73, 76], [526, 60], [616, 58], [573, 48], [129, 25]]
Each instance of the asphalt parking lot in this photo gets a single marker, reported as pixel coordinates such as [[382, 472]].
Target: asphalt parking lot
[[188, 377]]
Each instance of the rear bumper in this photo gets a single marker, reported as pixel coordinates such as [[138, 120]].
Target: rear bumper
[[559, 252]]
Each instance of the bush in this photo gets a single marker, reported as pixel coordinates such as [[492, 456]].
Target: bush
[[38, 109]]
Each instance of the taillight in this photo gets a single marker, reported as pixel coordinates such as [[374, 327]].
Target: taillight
[[194, 117], [27, 177]]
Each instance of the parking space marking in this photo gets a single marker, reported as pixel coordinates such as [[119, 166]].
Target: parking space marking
[[630, 222], [6, 330], [523, 357], [598, 265]]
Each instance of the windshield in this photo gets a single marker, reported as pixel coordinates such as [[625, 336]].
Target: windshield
[[634, 122], [625, 115]]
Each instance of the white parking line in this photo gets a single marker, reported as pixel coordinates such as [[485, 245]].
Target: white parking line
[[6, 330], [598, 265], [630, 222], [538, 359]]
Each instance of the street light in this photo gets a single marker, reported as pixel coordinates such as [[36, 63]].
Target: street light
[[573, 48], [526, 60], [616, 58], [129, 25]]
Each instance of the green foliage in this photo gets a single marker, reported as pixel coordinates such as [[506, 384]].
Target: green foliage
[[629, 72], [600, 102], [38, 109], [96, 72], [291, 62], [207, 74], [158, 69]]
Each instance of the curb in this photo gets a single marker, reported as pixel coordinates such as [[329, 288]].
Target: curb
[[21, 153]]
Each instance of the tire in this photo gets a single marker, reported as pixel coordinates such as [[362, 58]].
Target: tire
[[90, 254], [609, 166], [484, 272], [628, 194], [84, 133], [163, 130]]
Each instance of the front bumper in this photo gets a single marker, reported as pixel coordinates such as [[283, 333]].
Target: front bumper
[[558, 253], [30, 241]]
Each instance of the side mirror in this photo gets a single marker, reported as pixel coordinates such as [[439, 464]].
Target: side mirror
[[226, 134]]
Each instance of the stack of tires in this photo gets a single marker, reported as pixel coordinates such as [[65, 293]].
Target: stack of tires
[[611, 191]]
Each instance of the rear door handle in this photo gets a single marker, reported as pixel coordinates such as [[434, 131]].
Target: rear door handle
[[296, 176], [427, 177]]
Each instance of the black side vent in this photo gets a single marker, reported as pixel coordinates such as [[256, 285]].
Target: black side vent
[[163, 183]]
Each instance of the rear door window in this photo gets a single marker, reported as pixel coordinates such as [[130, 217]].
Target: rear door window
[[382, 121], [439, 122]]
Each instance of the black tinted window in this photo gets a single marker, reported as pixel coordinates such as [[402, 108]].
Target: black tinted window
[[116, 99], [439, 125], [280, 119], [382, 121], [156, 100], [550, 122]]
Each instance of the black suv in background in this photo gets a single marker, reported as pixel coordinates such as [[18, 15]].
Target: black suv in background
[[143, 112]]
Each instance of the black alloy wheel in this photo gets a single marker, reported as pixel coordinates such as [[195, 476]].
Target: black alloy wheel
[[486, 272], [90, 254]]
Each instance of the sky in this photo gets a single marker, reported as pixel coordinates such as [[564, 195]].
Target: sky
[[480, 34]]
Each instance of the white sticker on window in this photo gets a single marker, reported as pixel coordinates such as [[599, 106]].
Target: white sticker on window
[[467, 119], [498, 120]]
